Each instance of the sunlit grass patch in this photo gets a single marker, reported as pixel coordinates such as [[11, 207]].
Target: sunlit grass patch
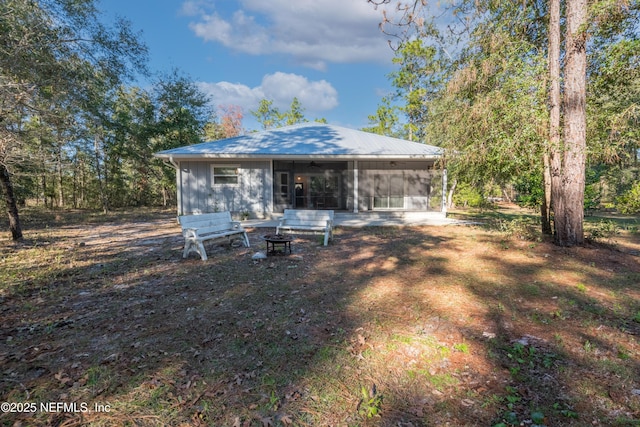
[[446, 324]]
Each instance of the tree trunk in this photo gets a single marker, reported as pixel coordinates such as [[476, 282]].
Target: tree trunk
[[545, 207], [43, 193], [452, 190], [101, 181], [552, 158], [569, 203], [59, 179], [507, 194], [83, 184], [12, 205]]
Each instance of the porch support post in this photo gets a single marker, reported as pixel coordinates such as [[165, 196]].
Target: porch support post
[[270, 200], [444, 192], [178, 169], [355, 186]]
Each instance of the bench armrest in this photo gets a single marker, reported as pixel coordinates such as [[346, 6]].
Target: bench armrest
[[190, 232]]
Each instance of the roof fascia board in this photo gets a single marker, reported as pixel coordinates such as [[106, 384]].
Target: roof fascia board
[[204, 157]]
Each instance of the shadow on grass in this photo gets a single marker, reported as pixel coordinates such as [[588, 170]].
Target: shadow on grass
[[446, 323]]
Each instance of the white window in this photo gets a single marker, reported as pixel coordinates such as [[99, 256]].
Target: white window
[[225, 174]]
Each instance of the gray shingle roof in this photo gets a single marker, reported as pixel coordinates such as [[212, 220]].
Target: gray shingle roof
[[305, 140]]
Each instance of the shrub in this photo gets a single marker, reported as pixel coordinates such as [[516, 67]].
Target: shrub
[[603, 231], [521, 228], [529, 188], [629, 202], [468, 196]]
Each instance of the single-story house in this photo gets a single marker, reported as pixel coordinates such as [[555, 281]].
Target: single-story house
[[307, 166]]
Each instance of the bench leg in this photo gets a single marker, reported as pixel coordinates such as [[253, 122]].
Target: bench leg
[[326, 238], [187, 248], [202, 251], [197, 247], [246, 240]]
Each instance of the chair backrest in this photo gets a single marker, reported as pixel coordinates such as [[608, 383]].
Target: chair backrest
[[307, 214], [214, 219]]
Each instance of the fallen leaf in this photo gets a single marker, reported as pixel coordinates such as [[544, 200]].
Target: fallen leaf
[[62, 377], [467, 402], [286, 420], [361, 339]]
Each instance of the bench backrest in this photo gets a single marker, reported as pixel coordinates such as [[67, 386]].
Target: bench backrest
[[307, 217], [214, 221]]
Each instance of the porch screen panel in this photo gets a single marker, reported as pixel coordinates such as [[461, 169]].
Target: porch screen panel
[[388, 191], [282, 191], [325, 191], [380, 191], [283, 187], [396, 192]]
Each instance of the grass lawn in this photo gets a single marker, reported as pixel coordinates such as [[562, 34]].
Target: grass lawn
[[103, 323]]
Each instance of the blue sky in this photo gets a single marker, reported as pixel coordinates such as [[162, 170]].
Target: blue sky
[[330, 54]]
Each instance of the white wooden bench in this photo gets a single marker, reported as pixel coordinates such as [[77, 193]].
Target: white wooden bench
[[209, 226], [307, 220]]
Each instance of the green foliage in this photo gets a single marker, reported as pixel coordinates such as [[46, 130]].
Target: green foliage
[[602, 231], [461, 347], [183, 111], [370, 404], [629, 202], [593, 188], [537, 417], [295, 114], [523, 228], [614, 107], [468, 196], [385, 121], [61, 67], [418, 77], [494, 129], [530, 190], [268, 115], [487, 103]]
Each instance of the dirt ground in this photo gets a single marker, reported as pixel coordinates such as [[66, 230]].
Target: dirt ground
[[104, 323]]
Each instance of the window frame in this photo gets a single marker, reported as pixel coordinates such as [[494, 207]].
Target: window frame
[[236, 175]]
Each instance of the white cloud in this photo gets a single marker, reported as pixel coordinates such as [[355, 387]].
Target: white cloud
[[312, 32], [281, 88], [314, 96]]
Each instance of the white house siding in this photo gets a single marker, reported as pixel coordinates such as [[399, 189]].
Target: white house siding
[[194, 180], [252, 193]]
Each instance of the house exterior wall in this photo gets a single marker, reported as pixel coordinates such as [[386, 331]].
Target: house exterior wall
[[382, 185], [199, 193]]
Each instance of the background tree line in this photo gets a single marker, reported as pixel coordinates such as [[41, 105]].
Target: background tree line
[[540, 96], [75, 132]]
